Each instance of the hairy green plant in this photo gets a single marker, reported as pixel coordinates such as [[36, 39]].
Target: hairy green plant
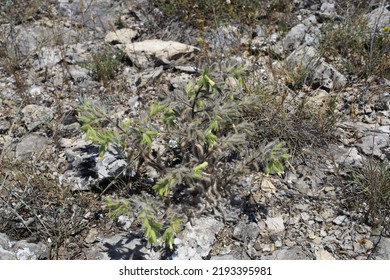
[[205, 143]]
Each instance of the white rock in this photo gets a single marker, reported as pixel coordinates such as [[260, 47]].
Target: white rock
[[122, 36], [47, 58], [197, 240], [35, 115], [339, 219], [324, 255], [275, 224], [148, 53], [305, 216]]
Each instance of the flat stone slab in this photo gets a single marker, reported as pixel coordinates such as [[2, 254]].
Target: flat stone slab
[[150, 53]]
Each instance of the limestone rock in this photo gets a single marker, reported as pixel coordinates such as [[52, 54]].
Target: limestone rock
[[32, 143], [306, 59], [121, 36], [275, 224], [35, 115], [324, 255], [150, 53], [246, 232], [195, 242], [378, 18], [293, 253], [294, 38]]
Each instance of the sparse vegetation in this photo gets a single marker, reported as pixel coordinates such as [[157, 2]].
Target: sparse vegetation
[[371, 191], [223, 11], [192, 145], [363, 51], [104, 63]]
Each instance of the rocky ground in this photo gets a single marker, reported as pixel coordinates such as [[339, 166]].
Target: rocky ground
[[53, 185]]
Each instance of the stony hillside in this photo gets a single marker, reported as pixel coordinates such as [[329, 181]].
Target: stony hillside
[[151, 129]]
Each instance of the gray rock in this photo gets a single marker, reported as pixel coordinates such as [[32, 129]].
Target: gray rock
[[93, 15], [31, 144], [125, 221], [383, 249], [4, 126], [85, 168], [294, 38], [47, 58], [78, 74], [121, 247], [346, 156], [328, 9], [246, 232], [178, 81], [340, 219], [226, 38], [121, 36], [5, 243], [186, 69], [251, 252], [275, 224], [328, 77], [319, 73], [384, 129], [195, 242], [223, 257], [378, 18], [305, 216], [35, 115], [373, 145], [149, 75], [293, 253], [30, 251], [313, 37], [310, 21], [7, 255], [150, 53], [110, 166]]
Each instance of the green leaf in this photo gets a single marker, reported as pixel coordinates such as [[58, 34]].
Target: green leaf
[[169, 117], [168, 237], [171, 231], [214, 124], [152, 227], [208, 80], [117, 207], [102, 151], [147, 138], [199, 169], [156, 109], [210, 138], [162, 187], [127, 124]]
